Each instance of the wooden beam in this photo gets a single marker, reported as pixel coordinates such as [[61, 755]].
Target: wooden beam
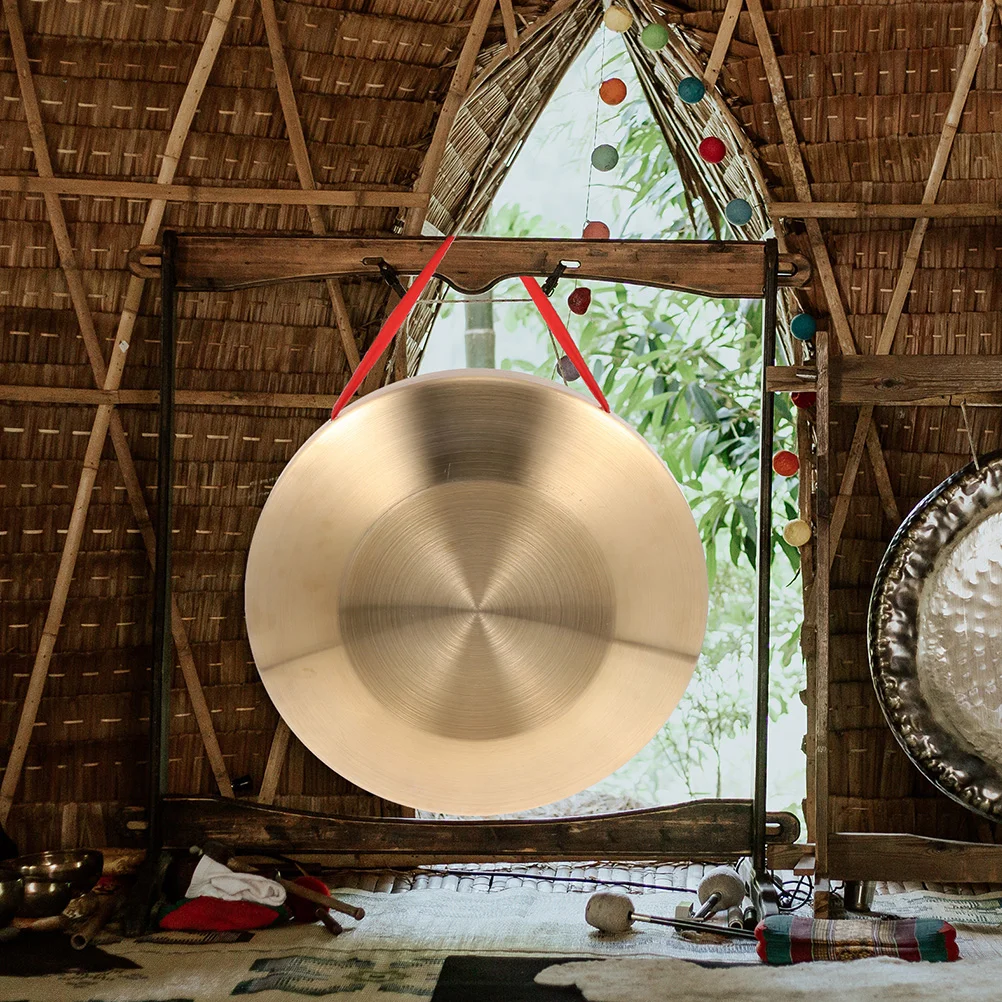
[[866, 856], [150, 398], [724, 268], [885, 380], [817, 746], [458, 88], [198, 194], [304, 169], [707, 830], [273, 767], [867, 210], [725, 32], [112, 378], [841, 510], [510, 28]]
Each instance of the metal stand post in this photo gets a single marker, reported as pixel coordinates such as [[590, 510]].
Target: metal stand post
[[763, 891], [139, 908]]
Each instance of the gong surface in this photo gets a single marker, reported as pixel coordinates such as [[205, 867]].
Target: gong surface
[[935, 636], [475, 593]]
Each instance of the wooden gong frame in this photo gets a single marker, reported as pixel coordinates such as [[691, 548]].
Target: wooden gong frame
[[710, 830]]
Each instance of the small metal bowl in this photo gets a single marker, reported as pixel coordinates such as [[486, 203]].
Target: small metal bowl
[[80, 868], [43, 898], [11, 895]]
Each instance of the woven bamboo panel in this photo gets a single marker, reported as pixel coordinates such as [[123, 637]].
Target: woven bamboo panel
[[369, 81]]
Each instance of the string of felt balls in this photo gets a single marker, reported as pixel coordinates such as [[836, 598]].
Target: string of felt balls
[[605, 156], [738, 211]]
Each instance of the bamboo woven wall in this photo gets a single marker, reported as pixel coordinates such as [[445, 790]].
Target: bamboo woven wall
[[369, 81], [869, 87]]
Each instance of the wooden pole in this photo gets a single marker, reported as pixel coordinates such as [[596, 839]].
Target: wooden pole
[[722, 42], [198, 194], [510, 28], [867, 210], [147, 398], [304, 169], [458, 89]]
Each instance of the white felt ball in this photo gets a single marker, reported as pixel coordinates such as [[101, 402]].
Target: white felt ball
[[724, 881], [609, 912]]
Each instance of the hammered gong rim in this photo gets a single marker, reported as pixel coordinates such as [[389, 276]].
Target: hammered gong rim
[[931, 531]]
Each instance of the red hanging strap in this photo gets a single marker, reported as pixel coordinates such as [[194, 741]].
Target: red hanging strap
[[564, 339], [392, 325], [406, 304]]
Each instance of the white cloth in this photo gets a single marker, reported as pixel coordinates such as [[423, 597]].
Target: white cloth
[[213, 880]]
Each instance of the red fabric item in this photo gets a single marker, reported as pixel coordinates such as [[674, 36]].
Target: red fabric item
[[303, 910], [206, 914]]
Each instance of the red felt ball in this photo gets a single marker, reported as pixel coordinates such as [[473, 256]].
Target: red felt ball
[[712, 150], [595, 230], [785, 463], [612, 91], [303, 910], [804, 399], [579, 301]]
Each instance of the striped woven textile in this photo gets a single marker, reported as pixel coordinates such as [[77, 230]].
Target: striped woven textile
[[793, 939]]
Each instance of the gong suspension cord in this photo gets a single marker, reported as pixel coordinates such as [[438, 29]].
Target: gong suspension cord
[[400, 312]]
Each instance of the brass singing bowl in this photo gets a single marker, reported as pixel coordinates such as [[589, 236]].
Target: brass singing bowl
[[475, 593]]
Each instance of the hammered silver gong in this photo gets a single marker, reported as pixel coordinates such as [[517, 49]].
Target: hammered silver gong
[[935, 637], [475, 593]]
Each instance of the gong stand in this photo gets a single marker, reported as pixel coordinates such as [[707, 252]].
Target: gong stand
[[703, 830]]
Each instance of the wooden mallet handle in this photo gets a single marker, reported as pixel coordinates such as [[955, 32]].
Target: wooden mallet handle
[[303, 892]]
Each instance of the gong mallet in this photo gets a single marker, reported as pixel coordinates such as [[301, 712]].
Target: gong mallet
[[720, 890], [614, 913]]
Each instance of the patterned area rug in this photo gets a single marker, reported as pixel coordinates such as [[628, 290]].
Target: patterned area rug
[[977, 917], [879, 979], [396, 951]]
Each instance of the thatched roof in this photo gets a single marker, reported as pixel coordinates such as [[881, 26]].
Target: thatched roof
[[368, 83], [850, 109]]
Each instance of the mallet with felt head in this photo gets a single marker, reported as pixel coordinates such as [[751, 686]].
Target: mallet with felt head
[[614, 913]]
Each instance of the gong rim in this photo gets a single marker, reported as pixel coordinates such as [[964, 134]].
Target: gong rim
[[611, 492], [932, 530]]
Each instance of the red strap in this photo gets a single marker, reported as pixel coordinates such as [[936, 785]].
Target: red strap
[[392, 325], [564, 339], [406, 304]]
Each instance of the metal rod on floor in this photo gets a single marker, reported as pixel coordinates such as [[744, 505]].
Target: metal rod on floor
[[163, 649], [764, 560]]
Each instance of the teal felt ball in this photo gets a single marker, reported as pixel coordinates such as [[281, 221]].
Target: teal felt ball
[[604, 157], [738, 212], [691, 89], [803, 326], [654, 36]]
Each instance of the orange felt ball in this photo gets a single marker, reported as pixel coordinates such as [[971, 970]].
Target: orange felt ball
[[596, 230], [785, 463], [612, 91]]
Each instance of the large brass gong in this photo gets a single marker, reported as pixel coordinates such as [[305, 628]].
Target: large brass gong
[[475, 592]]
